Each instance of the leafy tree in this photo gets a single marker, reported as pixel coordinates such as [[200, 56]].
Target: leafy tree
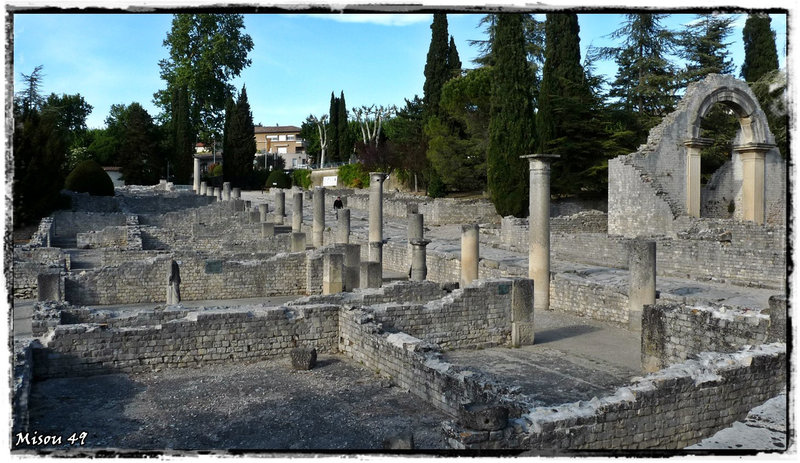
[[206, 52], [104, 147], [511, 127], [407, 142], [645, 81], [70, 112], [310, 133], [702, 44], [437, 69], [141, 161], [760, 54], [240, 145]]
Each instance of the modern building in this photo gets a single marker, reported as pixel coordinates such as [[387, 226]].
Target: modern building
[[283, 140]]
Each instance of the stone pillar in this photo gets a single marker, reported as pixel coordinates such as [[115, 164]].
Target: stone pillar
[[263, 211], [236, 193], [522, 302], [196, 176], [642, 279], [298, 242], [174, 284], [415, 232], [419, 266], [267, 229], [352, 263], [539, 227], [333, 274], [469, 254], [343, 228], [280, 206], [319, 216], [753, 195], [217, 193], [203, 188], [297, 211], [376, 216], [371, 275], [693, 148], [226, 191]]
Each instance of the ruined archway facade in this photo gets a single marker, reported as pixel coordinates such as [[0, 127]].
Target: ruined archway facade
[[659, 184]]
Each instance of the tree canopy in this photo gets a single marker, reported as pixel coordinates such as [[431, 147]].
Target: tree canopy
[[760, 54]]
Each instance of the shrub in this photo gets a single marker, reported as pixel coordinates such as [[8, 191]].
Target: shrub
[[354, 176], [302, 178], [278, 179], [89, 177], [216, 171]]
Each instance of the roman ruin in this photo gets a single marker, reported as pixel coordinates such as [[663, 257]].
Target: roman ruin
[[662, 322]]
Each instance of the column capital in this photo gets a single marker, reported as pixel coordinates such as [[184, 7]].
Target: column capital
[[378, 176], [697, 142], [422, 243], [753, 149], [541, 157]]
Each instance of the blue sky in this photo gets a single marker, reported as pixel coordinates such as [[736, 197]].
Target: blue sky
[[297, 58]]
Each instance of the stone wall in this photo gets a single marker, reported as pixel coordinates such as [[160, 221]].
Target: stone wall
[[668, 410], [28, 264], [249, 333], [67, 224], [108, 237], [569, 293], [673, 333]]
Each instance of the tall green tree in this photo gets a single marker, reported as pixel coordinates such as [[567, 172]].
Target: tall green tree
[[702, 44], [240, 148], [437, 70], [141, 161], [30, 98], [206, 52], [332, 154], [760, 53], [182, 137], [346, 138], [511, 127], [407, 141], [567, 122], [645, 81], [453, 60]]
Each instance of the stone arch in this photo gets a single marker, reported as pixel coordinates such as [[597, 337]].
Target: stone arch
[[753, 143]]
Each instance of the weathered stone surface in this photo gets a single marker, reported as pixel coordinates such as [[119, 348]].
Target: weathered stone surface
[[401, 441], [484, 417], [303, 358]]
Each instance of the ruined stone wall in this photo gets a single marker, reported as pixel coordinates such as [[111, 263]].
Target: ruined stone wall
[[201, 278], [108, 237], [67, 224], [672, 333], [635, 206], [28, 264], [577, 296], [405, 291], [212, 336], [672, 409]]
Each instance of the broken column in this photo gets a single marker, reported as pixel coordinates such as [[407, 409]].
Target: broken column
[[174, 284], [343, 227], [203, 188], [642, 279], [196, 176], [539, 228], [280, 207], [371, 275], [333, 274], [226, 191], [298, 242], [376, 180], [236, 193], [693, 148], [318, 226], [263, 211], [522, 301], [415, 232], [217, 193], [267, 229], [419, 267], [297, 211], [469, 254]]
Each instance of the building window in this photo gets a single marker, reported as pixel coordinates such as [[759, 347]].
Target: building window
[[290, 137]]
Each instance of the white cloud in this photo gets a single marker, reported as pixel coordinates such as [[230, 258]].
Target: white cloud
[[380, 19]]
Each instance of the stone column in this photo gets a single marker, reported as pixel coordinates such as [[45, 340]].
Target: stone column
[[236, 193], [298, 242], [693, 148], [203, 188], [174, 284], [642, 279], [419, 266], [753, 156], [280, 206], [267, 229], [297, 211], [376, 216], [343, 228], [539, 228], [469, 254], [522, 301], [263, 211], [415, 232], [333, 274], [196, 176], [217, 193], [319, 216], [226, 191]]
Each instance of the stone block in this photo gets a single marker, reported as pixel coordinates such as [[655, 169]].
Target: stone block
[[267, 229], [333, 274], [50, 287], [298, 242], [303, 358], [483, 417], [371, 275]]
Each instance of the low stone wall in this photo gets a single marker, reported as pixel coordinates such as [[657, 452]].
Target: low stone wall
[[28, 264], [569, 293], [67, 224], [43, 235], [212, 336], [23, 377], [671, 409], [673, 333], [108, 237]]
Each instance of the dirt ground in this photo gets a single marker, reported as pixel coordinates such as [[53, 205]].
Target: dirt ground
[[339, 405]]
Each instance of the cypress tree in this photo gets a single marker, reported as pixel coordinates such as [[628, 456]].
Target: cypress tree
[[760, 54], [511, 127], [346, 141], [183, 141], [437, 71], [241, 149], [453, 60], [333, 131], [139, 156]]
